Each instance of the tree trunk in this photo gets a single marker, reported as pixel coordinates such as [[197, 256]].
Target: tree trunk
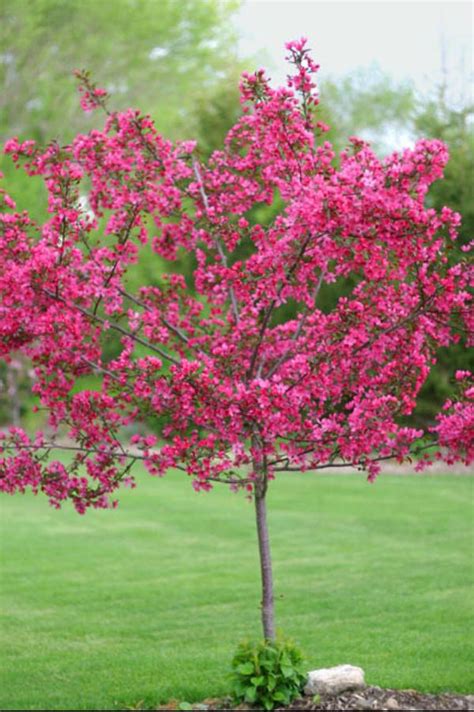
[[13, 393], [268, 613]]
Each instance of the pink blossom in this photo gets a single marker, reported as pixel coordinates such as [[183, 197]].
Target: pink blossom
[[228, 385]]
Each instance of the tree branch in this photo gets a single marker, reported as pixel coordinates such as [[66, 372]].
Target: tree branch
[[239, 481], [115, 327], [270, 308], [176, 330], [358, 465], [121, 241], [298, 331], [217, 242]]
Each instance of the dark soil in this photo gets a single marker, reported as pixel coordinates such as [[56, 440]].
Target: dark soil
[[372, 698]]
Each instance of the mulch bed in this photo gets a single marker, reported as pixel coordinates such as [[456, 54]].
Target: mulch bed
[[376, 698], [372, 698]]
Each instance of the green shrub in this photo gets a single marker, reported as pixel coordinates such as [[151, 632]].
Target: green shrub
[[267, 674]]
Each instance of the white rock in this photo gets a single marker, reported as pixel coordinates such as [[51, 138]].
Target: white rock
[[333, 681]]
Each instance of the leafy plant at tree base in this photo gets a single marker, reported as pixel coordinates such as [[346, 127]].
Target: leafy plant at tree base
[[268, 674], [239, 387]]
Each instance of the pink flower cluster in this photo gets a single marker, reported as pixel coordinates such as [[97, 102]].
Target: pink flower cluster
[[235, 387], [455, 428]]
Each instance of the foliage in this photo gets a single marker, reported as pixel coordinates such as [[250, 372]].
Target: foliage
[[268, 674], [216, 115]]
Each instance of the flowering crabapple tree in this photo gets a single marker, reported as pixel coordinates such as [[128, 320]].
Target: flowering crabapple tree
[[239, 389]]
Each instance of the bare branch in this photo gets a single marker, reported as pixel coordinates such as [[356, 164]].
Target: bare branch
[[97, 367]]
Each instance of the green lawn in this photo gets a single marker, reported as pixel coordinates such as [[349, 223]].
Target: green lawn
[[149, 601]]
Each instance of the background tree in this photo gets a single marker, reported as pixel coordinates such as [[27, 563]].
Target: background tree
[[455, 126], [159, 52], [370, 104]]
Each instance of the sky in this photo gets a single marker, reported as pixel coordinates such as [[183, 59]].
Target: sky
[[422, 41]]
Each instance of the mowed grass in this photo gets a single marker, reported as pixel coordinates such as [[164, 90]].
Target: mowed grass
[[148, 602]]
